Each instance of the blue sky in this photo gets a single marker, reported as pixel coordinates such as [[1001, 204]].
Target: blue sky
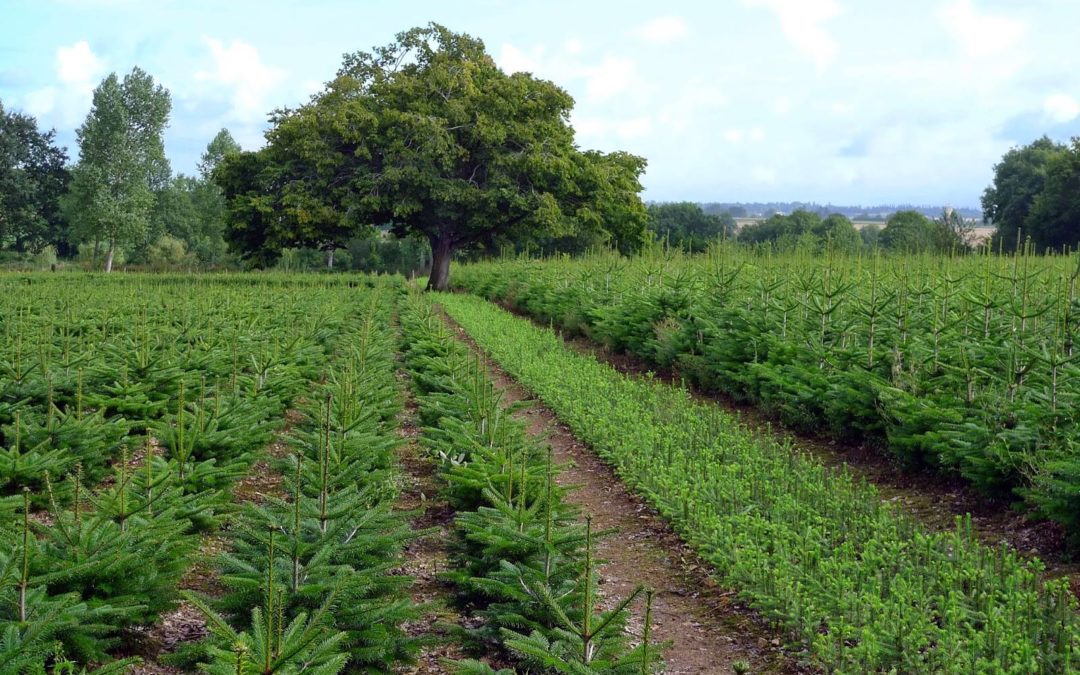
[[843, 101]]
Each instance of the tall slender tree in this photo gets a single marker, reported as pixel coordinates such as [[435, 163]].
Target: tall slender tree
[[122, 163]]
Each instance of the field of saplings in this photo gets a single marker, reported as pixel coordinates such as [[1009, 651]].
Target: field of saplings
[[970, 365], [216, 473], [133, 413]]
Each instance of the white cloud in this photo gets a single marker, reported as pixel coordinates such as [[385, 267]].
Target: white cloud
[[79, 70], [683, 111], [40, 102], [800, 21], [238, 66], [513, 60], [604, 128], [981, 35], [588, 81], [1061, 108], [842, 108], [734, 135], [613, 76], [662, 30], [78, 66], [636, 127]]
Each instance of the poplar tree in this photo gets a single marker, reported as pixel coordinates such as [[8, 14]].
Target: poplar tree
[[122, 162]]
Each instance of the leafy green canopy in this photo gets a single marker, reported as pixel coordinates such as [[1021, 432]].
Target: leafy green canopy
[[32, 179], [1054, 220], [684, 225], [429, 136], [1018, 179]]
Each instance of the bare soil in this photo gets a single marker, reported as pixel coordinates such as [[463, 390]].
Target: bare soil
[[426, 556], [708, 628]]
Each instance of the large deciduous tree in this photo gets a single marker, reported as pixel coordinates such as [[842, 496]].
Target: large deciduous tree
[[33, 177], [1018, 179], [122, 163], [1054, 219], [429, 136]]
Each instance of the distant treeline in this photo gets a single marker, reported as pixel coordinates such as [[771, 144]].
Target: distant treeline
[[879, 212], [688, 227]]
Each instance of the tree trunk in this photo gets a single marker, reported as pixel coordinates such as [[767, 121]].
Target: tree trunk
[[109, 256], [441, 251], [330, 258]]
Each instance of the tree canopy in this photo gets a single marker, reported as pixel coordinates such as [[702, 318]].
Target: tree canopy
[[1054, 218], [837, 233], [191, 209], [1018, 179], [33, 177], [912, 232], [428, 135], [686, 226], [783, 230]]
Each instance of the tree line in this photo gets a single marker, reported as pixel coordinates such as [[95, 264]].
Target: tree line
[[120, 199], [687, 226], [412, 154]]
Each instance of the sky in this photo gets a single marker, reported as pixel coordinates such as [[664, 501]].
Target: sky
[[826, 101]]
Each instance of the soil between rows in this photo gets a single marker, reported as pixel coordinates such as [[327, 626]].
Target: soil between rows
[[426, 556], [709, 629]]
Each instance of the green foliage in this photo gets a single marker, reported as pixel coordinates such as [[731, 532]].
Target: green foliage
[[966, 365], [157, 393], [521, 561], [1019, 178], [1054, 219], [912, 232], [782, 232], [837, 235], [683, 225], [33, 176], [388, 254], [303, 645], [332, 548]]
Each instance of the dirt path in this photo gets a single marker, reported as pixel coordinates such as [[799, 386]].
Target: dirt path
[[426, 556], [934, 499], [710, 630]]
